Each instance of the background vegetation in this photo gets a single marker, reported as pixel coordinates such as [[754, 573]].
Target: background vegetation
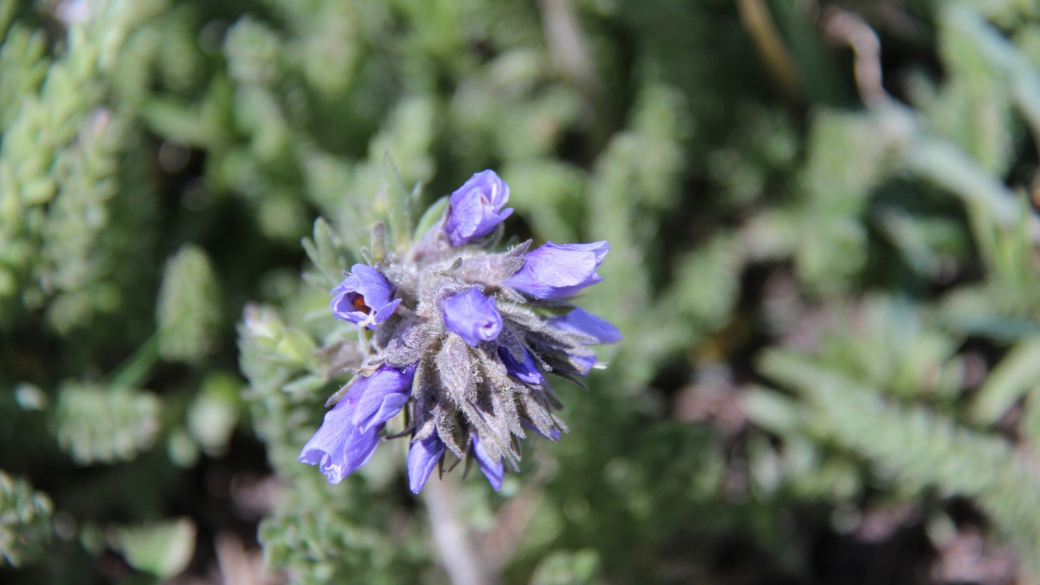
[[824, 231]]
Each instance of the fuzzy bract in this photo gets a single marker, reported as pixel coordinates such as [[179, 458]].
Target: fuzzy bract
[[460, 337]]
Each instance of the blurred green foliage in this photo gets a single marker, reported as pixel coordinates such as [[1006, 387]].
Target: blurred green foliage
[[24, 521], [828, 281]]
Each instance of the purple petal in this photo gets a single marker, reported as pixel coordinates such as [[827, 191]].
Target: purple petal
[[344, 295], [357, 450], [525, 371], [476, 208], [338, 447], [472, 316], [554, 434], [364, 297], [422, 460], [384, 312], [385, 393], [376, 289], [493, 471], [585, 323], [586, 363], [599, 248], [559, 271]]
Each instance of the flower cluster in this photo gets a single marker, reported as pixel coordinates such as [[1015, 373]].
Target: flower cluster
[[460, 339]]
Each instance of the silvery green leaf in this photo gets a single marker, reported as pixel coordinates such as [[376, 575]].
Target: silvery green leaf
[[188, 309], [398, 203], [430, 217], [379, 250], [1015, 375], [324, 253], [103, 425], [163, 549], [212, 417]]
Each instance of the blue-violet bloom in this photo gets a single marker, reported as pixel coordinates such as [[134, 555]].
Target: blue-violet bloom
[[364, 297], [385, 394], [494, 469], [423, 457], [472, 316], [468, 369], [556, 271], [525, 371], [476, 208], [583, 322], [348, 437]]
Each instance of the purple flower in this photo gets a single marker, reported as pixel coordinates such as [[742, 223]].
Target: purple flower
[[349, 434], [385, 393], [472, 316], [364, 297], [585, 323], [476, 208], [465, 334], [493, 470], [525, 371], [338, 447], [422, 459], [558, 272]]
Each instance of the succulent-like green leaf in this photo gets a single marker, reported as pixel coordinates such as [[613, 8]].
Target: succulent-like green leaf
[[188, 309]]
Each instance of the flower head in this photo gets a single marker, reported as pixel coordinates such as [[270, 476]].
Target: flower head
[[472, 316], [469, 350], [476, 208], [364, 297], [559, 271]]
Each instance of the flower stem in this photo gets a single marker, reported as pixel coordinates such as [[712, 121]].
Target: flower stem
[[462, 561], [134, 369]]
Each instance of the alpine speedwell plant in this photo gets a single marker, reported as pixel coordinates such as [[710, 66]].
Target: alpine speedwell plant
[[458, 338]]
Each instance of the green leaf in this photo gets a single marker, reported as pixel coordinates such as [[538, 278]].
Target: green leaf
[[24, 521], [378, 250], [163, 549], [568, 568], [398, 203], [771, 410], [100, 425], [189, 308], [430, 217], [1013, 377], [212, 417], [324, 253]]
